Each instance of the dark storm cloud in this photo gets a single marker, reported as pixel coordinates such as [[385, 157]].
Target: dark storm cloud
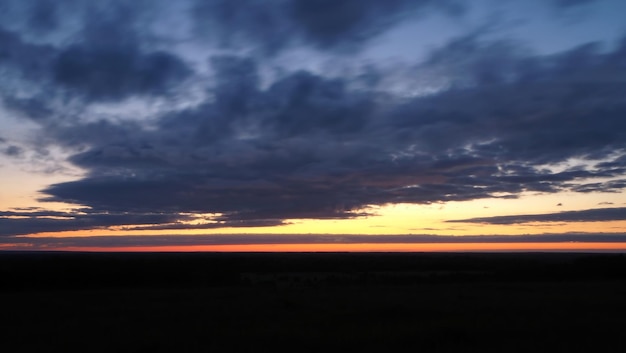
[[108, 62], [22, 59], [323, 24], [312, 147], [109, 58], [592, 215], [116, 72], [43, 15], [35, 108], [303, 144], [328, 23], [538, 109]]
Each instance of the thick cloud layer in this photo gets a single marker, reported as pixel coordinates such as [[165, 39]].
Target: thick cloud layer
[[259, 149], [310, 147]]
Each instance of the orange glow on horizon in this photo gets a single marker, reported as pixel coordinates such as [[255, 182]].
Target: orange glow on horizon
[[364, 247]]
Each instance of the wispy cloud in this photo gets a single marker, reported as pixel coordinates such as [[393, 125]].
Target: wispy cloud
[[592, 215], [200, 240]]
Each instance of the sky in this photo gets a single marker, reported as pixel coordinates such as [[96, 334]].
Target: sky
[[313, 125]]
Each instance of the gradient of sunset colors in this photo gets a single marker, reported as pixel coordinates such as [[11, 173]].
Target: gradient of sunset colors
[[313, 125]]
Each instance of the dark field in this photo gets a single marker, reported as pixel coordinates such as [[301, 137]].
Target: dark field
[[205, 302]]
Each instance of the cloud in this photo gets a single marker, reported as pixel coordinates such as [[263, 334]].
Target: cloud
[[22, 59], [273, 25], [13, 151], [261, 146], [108, 62], [308, 146], [20, 223], [107, 59], [608, 186], [245, 239], [29, 221], [591, 215], [43, 16], [113, 73]]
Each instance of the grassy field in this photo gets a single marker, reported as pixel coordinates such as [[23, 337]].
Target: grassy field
[[313, 302]]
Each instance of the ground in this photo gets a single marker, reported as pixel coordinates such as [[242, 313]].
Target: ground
[[313, 302]]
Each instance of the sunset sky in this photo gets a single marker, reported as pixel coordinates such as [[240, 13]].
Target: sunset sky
[[313, 125]]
